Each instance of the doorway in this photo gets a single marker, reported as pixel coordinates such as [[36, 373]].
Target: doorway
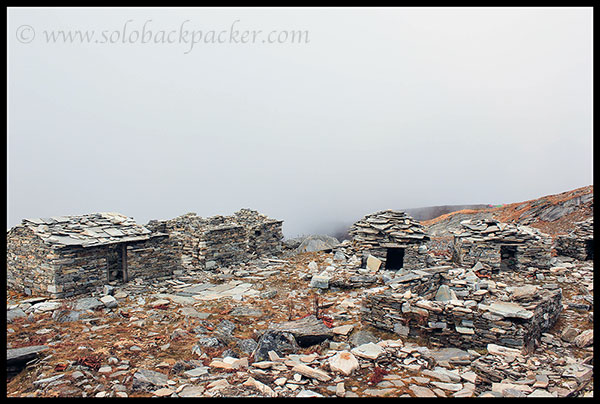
[[508, 258], [394, 258]]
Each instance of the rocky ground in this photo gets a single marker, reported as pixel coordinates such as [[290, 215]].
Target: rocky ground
[[206, 335]]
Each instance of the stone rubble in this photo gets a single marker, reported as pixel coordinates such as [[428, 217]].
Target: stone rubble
[[259, 329]]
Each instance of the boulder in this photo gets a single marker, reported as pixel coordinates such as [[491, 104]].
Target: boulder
[[368, 351], [283, 343], [307, 331]]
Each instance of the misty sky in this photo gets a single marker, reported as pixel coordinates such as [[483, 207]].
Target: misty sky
[[382, 108]]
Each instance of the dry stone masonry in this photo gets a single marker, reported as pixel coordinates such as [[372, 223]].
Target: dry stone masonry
[[501, 246], [579, 243], [205, 243], [393, 237], [456, 308], [69, 255]]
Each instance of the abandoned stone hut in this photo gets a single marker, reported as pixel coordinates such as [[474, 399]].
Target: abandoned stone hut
[[64, 256], [579, 243], [392, 236], [501, 246], [205, 243]]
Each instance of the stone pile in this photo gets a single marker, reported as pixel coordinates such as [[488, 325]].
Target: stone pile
[[501, 246], [378, 232], [579, 243], [460, 309]]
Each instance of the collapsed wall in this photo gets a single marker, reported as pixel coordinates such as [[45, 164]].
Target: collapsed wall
[[427, 306]]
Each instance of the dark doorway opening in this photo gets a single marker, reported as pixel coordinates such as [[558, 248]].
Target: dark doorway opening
[[508, 258], [589, 249], [114, 263], [394, 258]]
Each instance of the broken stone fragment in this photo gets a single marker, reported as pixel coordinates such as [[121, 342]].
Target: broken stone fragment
[[584, 339], [320, 281], [343, 362], [373, 263], [368, 351], [311, 372], [445, 294], [281, 342], [109, 301]]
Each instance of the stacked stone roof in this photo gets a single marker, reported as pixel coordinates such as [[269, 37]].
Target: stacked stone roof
[[87, 230], [388, 226]]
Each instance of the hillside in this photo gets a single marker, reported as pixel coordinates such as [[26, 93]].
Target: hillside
[[552, 214]]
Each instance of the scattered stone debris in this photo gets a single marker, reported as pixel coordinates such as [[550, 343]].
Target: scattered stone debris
[[338, 322]]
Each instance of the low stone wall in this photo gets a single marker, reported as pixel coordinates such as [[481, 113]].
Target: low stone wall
[[474, 322]]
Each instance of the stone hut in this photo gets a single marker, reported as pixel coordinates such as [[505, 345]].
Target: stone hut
[[393, 237], [579, 243], [501, 246], [64, 256], [205, 243]]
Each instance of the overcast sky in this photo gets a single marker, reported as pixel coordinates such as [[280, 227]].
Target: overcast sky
[[380, 108]]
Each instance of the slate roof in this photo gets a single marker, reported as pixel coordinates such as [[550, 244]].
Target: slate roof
[[88, 230]]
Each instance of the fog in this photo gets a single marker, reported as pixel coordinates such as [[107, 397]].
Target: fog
[[381, 108]]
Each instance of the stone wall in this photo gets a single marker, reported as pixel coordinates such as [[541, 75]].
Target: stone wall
[[459, 309], [222, 246], [81, 270], [465, 327], [530, 254], [377, 232], [578, 243], [28, 267], [205, 243], [154, 258]]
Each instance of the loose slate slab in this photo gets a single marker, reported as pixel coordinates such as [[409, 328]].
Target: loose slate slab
[[25, 354], [144, 379]]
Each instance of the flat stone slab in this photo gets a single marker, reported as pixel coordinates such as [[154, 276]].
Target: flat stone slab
[[24, 354], [449, 355], [510, 310]]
